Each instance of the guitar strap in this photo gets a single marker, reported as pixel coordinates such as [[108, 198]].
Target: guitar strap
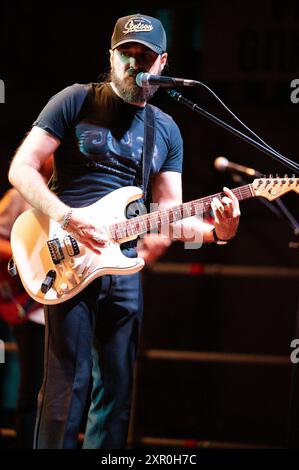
[[148, 146]]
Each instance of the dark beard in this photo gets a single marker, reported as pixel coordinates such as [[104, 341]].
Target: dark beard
[[129, 91]]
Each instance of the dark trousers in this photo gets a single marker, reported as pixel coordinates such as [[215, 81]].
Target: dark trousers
[[95, 332], [30, 340]]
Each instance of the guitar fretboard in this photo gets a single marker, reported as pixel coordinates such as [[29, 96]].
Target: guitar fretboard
[[155, 220]]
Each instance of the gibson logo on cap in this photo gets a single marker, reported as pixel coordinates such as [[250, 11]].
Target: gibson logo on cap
[[139, 25]]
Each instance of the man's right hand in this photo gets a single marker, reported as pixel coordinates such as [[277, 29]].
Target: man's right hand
[[80, 227]]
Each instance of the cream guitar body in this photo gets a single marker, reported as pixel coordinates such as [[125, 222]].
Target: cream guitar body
[[38, 243]]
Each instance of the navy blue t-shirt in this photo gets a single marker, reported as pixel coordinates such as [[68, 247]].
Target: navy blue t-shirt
[[101, 142]]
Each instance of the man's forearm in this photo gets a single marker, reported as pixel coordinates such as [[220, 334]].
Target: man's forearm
[[29, 182], [192, 230]]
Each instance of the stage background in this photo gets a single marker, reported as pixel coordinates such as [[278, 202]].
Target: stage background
[[247, 52]]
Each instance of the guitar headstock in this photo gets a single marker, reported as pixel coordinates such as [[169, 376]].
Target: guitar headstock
[[271, 188]]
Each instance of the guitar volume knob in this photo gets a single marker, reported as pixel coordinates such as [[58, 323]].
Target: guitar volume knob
[[48, 281], [63, 287]]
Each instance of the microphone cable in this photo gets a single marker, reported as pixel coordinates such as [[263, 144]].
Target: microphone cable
[[283, 158], [244, 125]]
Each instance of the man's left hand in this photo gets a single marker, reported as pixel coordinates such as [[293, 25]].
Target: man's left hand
[[226, 215]]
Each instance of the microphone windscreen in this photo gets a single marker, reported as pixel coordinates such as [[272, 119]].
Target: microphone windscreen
[[139, 79], [142, 78]]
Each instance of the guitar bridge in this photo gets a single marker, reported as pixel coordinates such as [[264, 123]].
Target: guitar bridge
[[55, 250]]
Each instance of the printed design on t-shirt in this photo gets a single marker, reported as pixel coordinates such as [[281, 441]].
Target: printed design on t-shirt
[[101, 148], [103, 151]]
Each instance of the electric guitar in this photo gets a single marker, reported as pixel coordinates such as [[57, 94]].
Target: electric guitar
[[54, 267]]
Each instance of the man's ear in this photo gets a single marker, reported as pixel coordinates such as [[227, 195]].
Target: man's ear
[[164, 60], [111, 56]]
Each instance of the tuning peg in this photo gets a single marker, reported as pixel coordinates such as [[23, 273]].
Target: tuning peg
[[270, 176], [286, 176]]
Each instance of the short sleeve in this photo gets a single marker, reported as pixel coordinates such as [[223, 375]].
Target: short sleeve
[[174, 160], [62, 110]]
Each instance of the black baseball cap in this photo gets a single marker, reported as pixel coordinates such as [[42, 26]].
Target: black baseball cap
[[140, 28]]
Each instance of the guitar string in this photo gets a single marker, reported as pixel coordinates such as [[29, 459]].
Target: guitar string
[[154, 219], [172, 214]]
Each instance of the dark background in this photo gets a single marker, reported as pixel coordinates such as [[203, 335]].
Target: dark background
[[247, 52]]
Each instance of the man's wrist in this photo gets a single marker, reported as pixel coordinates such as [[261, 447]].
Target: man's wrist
[[218, 240], [66, 218]]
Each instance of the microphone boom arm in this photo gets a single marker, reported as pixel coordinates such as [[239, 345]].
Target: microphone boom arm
[[195, 107]]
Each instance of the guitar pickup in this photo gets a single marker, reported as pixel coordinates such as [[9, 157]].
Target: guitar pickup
[[55, 250], [71, 245], [48, 281]]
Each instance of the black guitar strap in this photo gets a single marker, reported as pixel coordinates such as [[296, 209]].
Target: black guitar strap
[[148, 146]]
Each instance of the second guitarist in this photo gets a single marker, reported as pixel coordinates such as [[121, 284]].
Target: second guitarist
[[26, 319]]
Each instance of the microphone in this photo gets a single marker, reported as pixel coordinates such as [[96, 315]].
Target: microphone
[[222, 164], [144, 79]]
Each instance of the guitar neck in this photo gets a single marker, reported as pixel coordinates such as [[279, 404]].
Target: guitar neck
[[155, 220]]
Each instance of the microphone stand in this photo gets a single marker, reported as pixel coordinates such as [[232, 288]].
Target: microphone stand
[[293, 413], [289, 163], [195, 107]]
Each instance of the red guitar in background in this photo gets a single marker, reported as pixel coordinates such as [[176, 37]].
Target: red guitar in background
[[15, 303]]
